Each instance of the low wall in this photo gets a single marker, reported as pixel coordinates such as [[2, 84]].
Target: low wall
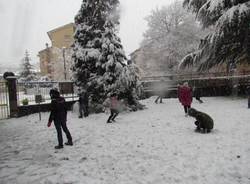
[[31, 109]]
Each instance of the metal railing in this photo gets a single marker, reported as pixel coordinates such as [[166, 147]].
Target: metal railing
[[233, 80], [4, 101], [26, 91], [196, 75]]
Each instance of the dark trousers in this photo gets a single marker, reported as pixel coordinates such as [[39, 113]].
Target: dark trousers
[[198, 99], [186, 107], [159, 97], [249, 102], [113, 114], [59, 126], [83, 109]]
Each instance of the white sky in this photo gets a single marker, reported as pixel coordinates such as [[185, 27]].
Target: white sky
[[25, 23]]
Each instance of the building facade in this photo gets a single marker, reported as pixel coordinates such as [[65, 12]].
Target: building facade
[[55, 61]]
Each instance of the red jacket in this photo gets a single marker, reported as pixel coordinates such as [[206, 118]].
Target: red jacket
[[185, 95]]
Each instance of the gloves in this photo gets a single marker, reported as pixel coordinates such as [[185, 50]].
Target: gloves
[[49, 124]]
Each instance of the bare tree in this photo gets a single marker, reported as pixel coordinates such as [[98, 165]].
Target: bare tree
[[172, 33]]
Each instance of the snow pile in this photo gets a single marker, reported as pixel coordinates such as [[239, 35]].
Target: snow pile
[[157, 145]]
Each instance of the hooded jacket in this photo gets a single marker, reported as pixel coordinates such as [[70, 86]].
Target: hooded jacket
[[185, 95], [204, 119], [58, 107]]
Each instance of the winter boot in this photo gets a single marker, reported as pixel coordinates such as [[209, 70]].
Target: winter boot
[[59, 147], [69, 143]]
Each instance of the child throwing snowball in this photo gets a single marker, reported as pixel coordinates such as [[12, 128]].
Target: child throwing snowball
[[113, 103]]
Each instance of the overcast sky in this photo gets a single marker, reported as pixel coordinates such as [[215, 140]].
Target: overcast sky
[[25, 23]]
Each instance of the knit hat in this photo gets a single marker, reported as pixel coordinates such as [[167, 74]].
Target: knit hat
[[54, 93]]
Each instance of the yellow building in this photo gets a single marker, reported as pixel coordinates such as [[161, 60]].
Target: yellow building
[[45, 56], [62, 36], [55, 61]]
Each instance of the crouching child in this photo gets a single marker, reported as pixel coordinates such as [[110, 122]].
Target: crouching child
[[204, 123]]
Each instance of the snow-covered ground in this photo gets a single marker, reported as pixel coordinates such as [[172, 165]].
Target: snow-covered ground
[[154, 146]]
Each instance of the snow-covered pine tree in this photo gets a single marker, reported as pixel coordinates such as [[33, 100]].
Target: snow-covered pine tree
[[229, 42], [26, 73], [98, 55], [112, 58]]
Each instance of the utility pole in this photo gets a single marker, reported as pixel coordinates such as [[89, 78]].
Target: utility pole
[[64, 64]]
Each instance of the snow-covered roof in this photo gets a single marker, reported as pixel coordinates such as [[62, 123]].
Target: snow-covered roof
[[39, 52], [59, 28], [132, 53]]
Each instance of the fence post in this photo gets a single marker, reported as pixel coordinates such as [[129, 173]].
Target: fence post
[[12, 90]]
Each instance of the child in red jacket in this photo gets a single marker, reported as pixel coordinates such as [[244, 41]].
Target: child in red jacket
[[185, 96]]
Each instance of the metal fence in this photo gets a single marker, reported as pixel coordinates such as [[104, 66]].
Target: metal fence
[[27, 91], [4, 101], [196, 75]]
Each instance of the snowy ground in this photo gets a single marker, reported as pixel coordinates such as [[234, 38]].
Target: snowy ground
[[154, 146]]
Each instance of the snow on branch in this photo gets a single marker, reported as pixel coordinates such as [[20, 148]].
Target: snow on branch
[[189, 60], [194, 5], [235, 17], [229, 38]]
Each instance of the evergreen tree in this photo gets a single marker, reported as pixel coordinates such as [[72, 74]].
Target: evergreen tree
[[26, 73], [98, 55], [229, 42]]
